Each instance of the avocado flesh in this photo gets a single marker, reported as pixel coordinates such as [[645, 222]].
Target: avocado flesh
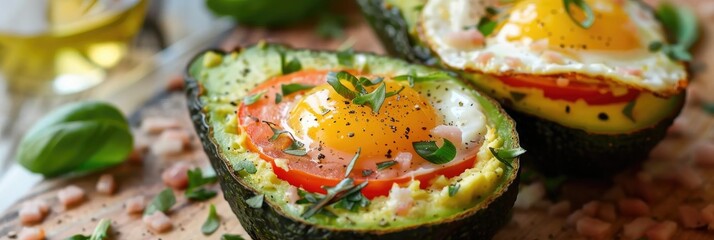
[[553, 148], [212, 94]]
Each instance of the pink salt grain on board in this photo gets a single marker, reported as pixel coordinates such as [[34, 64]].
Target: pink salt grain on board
[[135, 205], [31, 233], [70, 196], [593, 228], [158, 222], [106, 184], [176, 176]]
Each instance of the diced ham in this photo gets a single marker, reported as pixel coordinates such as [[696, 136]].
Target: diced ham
[[31, 233], [661, 231], [552, 57], [152, 125], [70, 196], [176, 176], [484, 57], [633, 207], [158, 222], [607, 212], [636, 229], [292, 195], [704, 154], [135, 205], [540, 45], [561, 208], [591, 208], [708, 213], [593, 228], [170, 142], [452, 133], [466, 39], [404, 159], [573, 218], [690, 217], [30, 214], [529, 195], [106, 184], [400, 199]]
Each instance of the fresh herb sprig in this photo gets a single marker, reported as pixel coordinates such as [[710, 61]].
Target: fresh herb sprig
[[682, 28], [296, 148], [360, 95], [435, 154], [100, 232], [413, 78], [196, 181], [162, 202], [343, 189]]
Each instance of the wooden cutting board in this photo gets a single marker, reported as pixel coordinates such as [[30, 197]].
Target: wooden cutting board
[[144, 179]]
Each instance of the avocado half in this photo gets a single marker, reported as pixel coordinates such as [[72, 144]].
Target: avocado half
[[553, 148], [217, 81]]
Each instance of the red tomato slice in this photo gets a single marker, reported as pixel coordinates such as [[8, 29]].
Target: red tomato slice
[[590, 93], [310, 177]]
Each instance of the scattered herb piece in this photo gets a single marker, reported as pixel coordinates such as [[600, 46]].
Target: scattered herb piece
[[490, 10], [385, 164], [412, 77], [196, 180], [360, 96], [374, 99], [655, 46], [333, 78], [682, 27], [434, 154], [99, 233], [330, 26], [278, 98], [507, 155], [453, 189], [296, 148], [627, 110], [352, 162], [246, 165], [200, 194], [250, 99], [367, 172], [291, 88], [255, 201], [344, 188], [419, 7], [518, 96], [291, 66], [232, 237], [78, 237], [486, 26], [589, 14], [162, 202], [212, 222], [296, 152], [346, 57], [366, 82], [83, 136], [708, 108], [352, 202]]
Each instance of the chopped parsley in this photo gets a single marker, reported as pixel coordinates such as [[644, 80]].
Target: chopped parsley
[[360, 96], [246, 165], [453, 189], [343, 189], [250, 99], [291, 88], [352, 162]]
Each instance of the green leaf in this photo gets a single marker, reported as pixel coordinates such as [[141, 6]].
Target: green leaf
[[412, 78], [486, 26], [250, 99], [255, 201], [197, 179], [344, 188], [385, 164], [100, 232], [278, 98], [367, 172], [507, 155], [352, 162], [589, 14], [291, 66], [212, 222], [627, 110], [161, 202], [330, 26], [246, 165], [680, 23], [655, 46], [291, 88], [334, 78], [374, 99], [453, 189], [296, 152], [231, 237], [78, 237], [346, 57], [200, 194], [434, 154], [84, 136]]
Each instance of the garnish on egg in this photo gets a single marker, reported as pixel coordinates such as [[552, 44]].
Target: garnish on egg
[[585, 8]]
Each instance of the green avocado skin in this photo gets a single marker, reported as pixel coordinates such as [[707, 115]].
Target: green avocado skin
[[552, 148], [268, 222]]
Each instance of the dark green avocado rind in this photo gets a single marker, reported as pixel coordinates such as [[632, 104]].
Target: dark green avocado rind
[[552, 148], [268, 222]]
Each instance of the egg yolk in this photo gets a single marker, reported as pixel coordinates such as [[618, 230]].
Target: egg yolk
[[327, 120], [547, 19]]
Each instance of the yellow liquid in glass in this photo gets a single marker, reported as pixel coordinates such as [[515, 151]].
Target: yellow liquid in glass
[[84, 38]]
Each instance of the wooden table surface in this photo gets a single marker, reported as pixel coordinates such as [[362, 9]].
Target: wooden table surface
[[144, 179]]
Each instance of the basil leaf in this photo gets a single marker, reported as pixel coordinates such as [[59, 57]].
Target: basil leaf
[[680, 22], [375, 99], [436, 155], [589, 14], [84, 136], [627, 110], [486, 26], [197, 179], [231, 237], [200, 194], [250, 99], [78, 237], [352, 162], [346, 57], [246, 165], [507, 155], [453, 189], [212, 222], [255, 201], [334, 80], [288, 89], [162, 202], [385, 164], [100, 232], [289, 67]]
